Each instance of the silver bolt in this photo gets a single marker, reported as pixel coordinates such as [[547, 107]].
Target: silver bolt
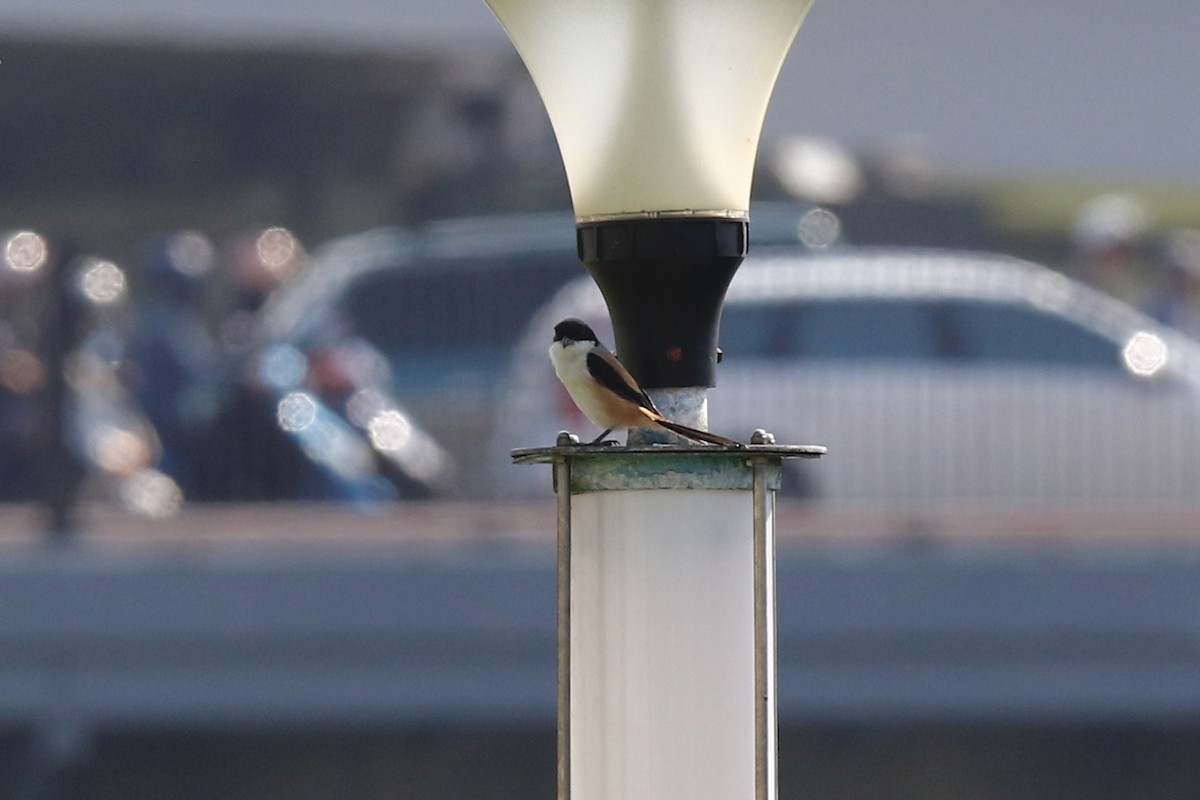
[[760, 436]]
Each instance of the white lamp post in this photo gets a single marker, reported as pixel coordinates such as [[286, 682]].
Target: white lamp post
[[666, 555], [666, 618]]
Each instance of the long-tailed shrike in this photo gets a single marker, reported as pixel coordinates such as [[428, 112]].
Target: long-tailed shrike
[[605, 391]]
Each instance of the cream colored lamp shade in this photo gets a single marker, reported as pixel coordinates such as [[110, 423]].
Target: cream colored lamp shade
[[657, 104]]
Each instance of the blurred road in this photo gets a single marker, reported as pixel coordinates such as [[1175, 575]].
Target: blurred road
[[255, 526], [316, 614], [440, 526]]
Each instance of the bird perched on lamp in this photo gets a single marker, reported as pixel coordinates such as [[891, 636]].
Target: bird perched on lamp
[[605, 391]]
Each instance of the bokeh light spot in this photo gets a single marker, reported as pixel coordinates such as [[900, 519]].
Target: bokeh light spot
[[152, 494], [25, 251], [819, 228], [102, 282], [277, 248], [390, 431], [1145, 354], [296, 411]]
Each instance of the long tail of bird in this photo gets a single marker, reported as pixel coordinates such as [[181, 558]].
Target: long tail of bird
[[699, 435]]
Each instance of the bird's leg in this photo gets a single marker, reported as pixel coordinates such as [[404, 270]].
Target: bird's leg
[[600, 438]]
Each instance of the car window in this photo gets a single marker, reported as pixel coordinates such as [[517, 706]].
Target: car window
[[452, 305], [1013, 334], [847, 329], [962, 331]]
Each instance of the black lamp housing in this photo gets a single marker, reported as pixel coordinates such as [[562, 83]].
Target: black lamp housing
[[664, 279]]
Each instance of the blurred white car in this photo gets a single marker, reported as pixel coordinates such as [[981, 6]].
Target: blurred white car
[[934, 378]]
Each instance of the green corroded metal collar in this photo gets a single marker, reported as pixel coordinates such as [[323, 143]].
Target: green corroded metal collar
[[596, 468]]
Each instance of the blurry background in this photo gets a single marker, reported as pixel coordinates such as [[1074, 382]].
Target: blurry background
[[254, 537]]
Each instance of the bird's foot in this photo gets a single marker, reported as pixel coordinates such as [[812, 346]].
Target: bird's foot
[[600, 440]]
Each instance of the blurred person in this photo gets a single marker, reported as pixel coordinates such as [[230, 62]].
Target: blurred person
[[174, 367], [1109, 239], [258, 462], [88, 432]]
